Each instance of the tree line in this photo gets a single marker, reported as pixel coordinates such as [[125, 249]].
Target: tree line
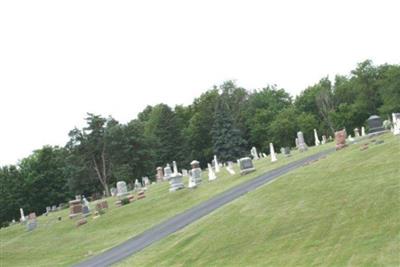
[[226, 120]]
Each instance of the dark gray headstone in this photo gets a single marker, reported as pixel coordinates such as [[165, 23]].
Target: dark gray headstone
[[375, 124], [246, 165]]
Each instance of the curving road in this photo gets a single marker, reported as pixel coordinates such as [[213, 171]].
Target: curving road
[[179, 221]]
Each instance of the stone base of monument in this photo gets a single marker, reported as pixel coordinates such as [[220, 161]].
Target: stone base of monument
[[175, 182], [118, 203], [141, 195], [246, 171], [131, 198], [303, 148]]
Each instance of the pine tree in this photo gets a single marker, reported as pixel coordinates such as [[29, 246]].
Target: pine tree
[[228, 143]]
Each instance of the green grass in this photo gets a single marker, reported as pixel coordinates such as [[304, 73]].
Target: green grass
[[56, 243], [340, 211]]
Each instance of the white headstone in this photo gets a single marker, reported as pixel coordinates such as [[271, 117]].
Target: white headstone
[[121, 189], [216, 164], [362, 131], [175, 167], [167, 172], [22, 215], [194, 174], [175, 182], [272, 150], [211, 173], [302, 146], [254, 153], [396, 123], [317, 142], [230, 169]]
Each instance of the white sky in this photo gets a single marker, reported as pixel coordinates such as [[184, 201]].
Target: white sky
[[61, 59]]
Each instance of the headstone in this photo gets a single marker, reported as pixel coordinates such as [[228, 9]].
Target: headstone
[[362, 131], [175, 167], [297, 142], [195, 174], [85, 211], [167, 172], [85, 207], [122, 190], [48, 209], [317, 142], [101, 205], [254, 153], [75, 208], [260, 155], [175, 180], [246, 165], [340, 139], [54, 208], [264, 155], [323, 139], [375, 124], [396, 123], [285, 151], [184, 172], [85, 201], [32, 223], [216, 164], [146, 181], [113, 191], [351, 139], [387, 125], [160, 174], [138, 185], [21, 211], [230, 169], [302, 145], [211, 173], [356, 132], [272, 152]]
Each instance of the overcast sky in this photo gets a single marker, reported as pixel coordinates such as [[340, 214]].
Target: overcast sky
[[61, 59]]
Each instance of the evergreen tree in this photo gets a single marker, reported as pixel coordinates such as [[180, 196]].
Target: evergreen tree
[[228, 143], [164, 132]]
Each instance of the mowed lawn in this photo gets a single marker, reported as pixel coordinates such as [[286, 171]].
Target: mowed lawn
[[61, 243], [343, 210]]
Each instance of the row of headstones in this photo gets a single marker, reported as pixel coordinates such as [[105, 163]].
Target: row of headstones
[[79, 209], [175, 178], [138, 186]]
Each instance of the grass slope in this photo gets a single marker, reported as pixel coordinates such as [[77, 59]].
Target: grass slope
[[339, 211], [56, 243]]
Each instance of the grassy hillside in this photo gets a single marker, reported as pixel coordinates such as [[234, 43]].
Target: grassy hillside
[[56, 243], [340, 211]]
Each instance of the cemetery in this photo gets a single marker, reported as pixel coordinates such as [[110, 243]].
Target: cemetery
[[207, 133], [87, 228], [77, 238]]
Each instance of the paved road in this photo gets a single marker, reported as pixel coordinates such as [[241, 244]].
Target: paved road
[[179, 221]]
